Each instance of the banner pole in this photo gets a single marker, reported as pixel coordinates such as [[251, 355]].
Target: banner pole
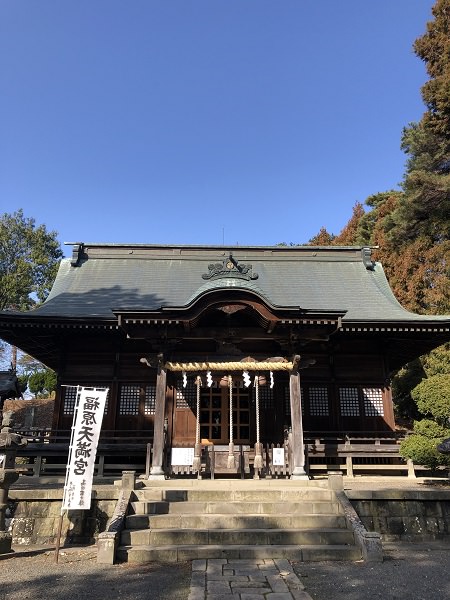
[[58, 536]]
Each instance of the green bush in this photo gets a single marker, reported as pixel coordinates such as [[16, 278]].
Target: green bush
[[421, 446], [431, 429], [432, 396], [422, 451]]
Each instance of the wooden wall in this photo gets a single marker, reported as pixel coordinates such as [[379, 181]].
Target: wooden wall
[[345, 390]]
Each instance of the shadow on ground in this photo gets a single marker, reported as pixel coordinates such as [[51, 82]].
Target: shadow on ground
[[35, 574], [410, 571]]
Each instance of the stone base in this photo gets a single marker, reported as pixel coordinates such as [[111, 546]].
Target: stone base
[[106, 547], [299, 473], [156, 473], [5, 542]]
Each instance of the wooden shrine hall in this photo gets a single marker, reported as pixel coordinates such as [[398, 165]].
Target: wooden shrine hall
[[225, 348]]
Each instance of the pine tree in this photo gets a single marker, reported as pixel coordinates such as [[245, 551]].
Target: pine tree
[[425, 207], [412, 227]]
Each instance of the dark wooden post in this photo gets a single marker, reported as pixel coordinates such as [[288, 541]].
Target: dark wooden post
[[157, 472], [298, 447]]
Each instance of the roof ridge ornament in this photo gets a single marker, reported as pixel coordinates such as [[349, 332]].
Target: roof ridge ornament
[[77, 254], [230, 267], [367, 258]]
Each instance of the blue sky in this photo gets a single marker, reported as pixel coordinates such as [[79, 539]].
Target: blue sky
[[204, 121]]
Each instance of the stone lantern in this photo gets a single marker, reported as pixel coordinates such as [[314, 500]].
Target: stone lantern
[[9, 444]]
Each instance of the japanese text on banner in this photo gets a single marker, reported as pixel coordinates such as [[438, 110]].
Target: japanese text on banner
[[83, 447]]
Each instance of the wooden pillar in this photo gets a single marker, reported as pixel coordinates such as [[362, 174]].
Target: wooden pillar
[[298, 447], [157, 472]]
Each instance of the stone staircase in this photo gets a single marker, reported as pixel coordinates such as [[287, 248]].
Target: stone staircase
[[175, 521]]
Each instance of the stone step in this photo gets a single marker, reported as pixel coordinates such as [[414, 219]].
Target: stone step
[[232, 508], [232, 483], [239, 495], [181, 553], [236, 520], [255, 536], [153, 507], [226, 521]]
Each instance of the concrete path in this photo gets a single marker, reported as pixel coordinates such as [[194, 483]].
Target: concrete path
[[239, 579]]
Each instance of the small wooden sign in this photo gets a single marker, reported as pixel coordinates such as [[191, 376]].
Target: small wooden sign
[[278, 457], [182, 457]]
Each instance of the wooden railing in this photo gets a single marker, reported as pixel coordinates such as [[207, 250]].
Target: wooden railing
[[45, 455], [356, 455], [353, 454]]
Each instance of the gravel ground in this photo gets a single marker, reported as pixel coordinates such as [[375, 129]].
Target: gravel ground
[[413, 571], [33, 574]]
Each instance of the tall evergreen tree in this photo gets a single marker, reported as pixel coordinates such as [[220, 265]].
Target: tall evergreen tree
[[29, 258], [424, 210], [352, 233], [412, 227], [323, 238]]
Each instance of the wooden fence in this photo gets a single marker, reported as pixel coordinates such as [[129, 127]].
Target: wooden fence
[[46, 456]]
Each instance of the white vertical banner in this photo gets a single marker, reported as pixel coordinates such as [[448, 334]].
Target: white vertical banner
[[87, 423]]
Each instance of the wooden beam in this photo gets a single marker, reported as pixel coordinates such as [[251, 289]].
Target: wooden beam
[[156, 471], [298, 447]]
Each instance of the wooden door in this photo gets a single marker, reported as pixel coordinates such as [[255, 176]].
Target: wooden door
[[214, 415]]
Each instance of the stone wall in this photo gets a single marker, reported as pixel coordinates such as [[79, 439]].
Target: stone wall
[[36, 412], [404, 515], [34, 516]]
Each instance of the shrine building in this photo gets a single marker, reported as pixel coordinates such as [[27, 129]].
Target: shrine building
[[230, 347]]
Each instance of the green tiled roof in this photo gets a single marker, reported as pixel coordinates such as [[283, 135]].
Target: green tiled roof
[[100, 279]]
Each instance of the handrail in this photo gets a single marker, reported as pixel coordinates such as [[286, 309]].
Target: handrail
[[47, 456]]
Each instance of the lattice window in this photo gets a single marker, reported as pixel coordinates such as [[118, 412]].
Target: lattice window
[[373, 402], [265, 396], [186, 397], [318, 402], [129, 400], [150, 400], [70, 396], [349, 401]]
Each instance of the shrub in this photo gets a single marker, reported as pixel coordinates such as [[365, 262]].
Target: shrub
[[432, 396], [431, 429], [421, 446]]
